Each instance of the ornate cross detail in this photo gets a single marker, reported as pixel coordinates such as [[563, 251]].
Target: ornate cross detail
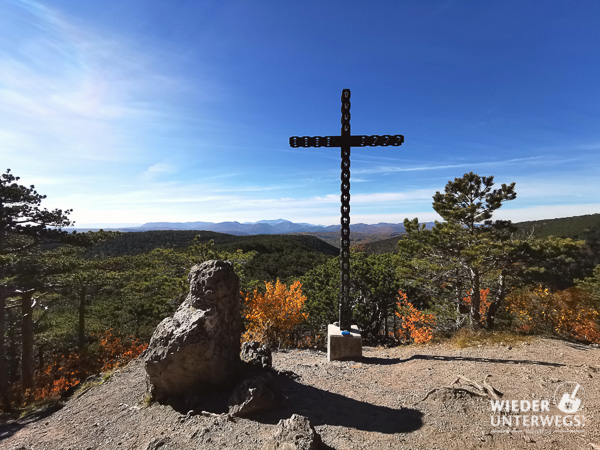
[[345, 141]]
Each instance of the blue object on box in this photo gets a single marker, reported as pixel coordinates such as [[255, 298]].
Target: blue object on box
[[345, 333]]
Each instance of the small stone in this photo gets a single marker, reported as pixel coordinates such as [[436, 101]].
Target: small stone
[[295, 433], [159, 443]]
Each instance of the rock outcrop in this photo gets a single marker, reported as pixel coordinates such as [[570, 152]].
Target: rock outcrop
[[257, 355], [199, 347], [295, 433]]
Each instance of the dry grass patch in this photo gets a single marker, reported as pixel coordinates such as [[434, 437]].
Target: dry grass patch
[[466, 337]]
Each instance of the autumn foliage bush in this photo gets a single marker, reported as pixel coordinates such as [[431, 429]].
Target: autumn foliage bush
[[415, 326], [569, 313], [116, 350], [484, 304], [272, 316], [69, 369]]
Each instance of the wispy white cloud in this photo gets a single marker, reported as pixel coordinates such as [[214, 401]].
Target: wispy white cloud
[[77, 93], [156, 170], [171, 201], [576, 187], [466, 165]]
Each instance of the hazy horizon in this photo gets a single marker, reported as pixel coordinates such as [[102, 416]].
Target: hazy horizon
[[133, 225]]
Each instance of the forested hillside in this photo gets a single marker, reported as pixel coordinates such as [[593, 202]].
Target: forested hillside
[[578, 227], [389, 245], [274, 256], [357, 238], [586, 228], [137, 242]]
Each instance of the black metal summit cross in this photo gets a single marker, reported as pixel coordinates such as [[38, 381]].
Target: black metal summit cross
[[345, 141]]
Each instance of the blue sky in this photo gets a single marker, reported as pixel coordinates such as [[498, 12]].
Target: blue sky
[[139, 111]]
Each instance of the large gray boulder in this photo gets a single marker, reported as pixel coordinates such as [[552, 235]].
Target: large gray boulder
[[199, 347]]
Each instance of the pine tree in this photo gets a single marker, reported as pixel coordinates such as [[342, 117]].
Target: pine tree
[[24, 225]]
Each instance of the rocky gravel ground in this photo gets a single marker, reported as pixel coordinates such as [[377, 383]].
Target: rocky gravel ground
[[413, 397]]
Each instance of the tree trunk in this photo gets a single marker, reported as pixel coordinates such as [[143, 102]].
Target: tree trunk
[[12, 352], [475, 298], [82, 298], [495, 305], [4, 398], [27, 342], [385, 323]]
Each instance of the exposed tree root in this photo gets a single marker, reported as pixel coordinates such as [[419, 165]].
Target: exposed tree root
[[477, 390]]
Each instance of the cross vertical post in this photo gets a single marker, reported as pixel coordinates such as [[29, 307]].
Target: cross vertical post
[[345, 142], [344, 319]]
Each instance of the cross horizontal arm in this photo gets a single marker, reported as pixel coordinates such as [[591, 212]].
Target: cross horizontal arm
[[353, 141]]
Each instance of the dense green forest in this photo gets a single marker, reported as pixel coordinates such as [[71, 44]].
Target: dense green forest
[[585, 228], [578, 227], [137, 242], [90, 297], [284, 257]]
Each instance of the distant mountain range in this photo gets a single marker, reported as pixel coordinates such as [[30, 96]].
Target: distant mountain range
[[279, 226], [377, 238]]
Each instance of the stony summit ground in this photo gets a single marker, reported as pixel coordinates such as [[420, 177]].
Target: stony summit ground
[[394, 398]]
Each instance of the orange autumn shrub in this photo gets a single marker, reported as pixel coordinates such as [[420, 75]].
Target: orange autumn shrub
[[67, 370], [63, 372], [273, 316], [484, 304], [115, 350], [568, 313], [415, 325], [576, 317]]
